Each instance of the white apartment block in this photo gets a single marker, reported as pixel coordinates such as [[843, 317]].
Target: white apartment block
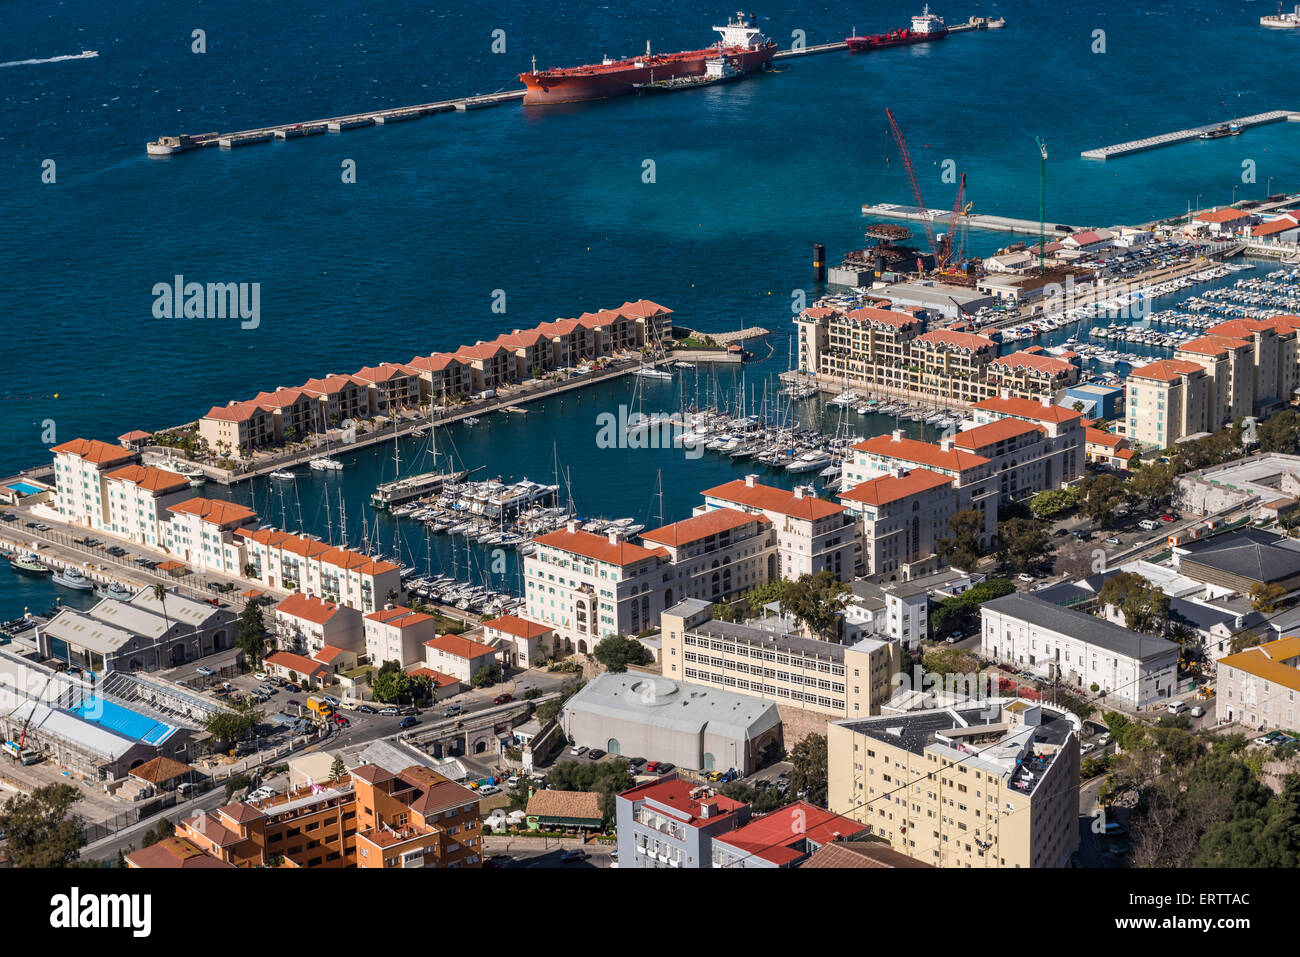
[[288, 562], [205, 534], [398, 634], [587, 586], [812, 534], [79, 470], [139, 502], [1078, 649], [305, 624]]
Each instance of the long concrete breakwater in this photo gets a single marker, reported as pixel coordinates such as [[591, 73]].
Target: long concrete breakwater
[[185, 142], [1000, 224], [1184, 136]]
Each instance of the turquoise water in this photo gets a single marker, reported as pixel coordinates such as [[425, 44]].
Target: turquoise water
[[548, 206]]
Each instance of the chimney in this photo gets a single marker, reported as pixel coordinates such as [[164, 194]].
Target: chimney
[[572, 525], [1047, 401], [897, 435], [1006, 394], [390, 607], [613, 537], [946, 443], [751, 481], [799, 491]]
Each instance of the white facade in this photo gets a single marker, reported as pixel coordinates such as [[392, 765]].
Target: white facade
[[1078, 649]]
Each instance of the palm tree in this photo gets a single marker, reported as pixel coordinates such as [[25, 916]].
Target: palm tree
[[160, 592]]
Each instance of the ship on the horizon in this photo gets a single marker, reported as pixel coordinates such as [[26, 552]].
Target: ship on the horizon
[[925, 27], [741, 43]]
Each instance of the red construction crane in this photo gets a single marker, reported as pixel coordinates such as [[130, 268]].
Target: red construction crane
[[912, 181], [944, 255]]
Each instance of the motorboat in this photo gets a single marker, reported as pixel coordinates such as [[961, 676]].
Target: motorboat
[[73, 578]]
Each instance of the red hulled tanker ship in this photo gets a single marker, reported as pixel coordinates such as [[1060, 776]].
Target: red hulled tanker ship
[[741, 43], [925, 28]]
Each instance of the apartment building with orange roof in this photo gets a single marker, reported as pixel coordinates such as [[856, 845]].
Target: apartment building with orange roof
[[522, 643], [587, 586], [490, 365], [445, 377], [460, 657], [288, 562], [903, 517], [1061, 449], [339, 398], [1275, 357], [391, 387], [80, 467], [1260, 687], [892, 349], [1167, 401], [372, 818], [139, 497], [239, 427], [205, 533], [397, 633], [1229, 365], [306, 624], [812, 534]]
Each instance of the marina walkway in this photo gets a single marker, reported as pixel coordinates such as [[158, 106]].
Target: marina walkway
[[1001, 224], [1183, 136]]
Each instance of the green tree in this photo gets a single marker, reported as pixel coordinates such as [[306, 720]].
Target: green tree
[[41, 830], [1103, 495], [1145, 606], [958, 613], [487, 675], [962, 547], [1023, 544], [233, 723], [238, 782], [550, 709], [250, 633], [766, 593], [817, 601], [617, 652], [1266, 597], [1280, 432], [338, 769], [391, 684], [1242, 640], [1154, 484], [760, 800], [1053, 502], [808, 774], [606, 778]]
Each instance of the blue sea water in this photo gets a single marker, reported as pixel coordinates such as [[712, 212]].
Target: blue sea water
[[547, 205]]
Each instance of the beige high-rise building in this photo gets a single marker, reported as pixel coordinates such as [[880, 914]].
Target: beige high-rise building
[[990, 785], [1166, 401]]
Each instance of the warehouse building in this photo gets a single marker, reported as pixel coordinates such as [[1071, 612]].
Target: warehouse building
[[688, 724]]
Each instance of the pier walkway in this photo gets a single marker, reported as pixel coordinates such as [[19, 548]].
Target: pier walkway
[[184, 142], [1000, 224], [1184, 136]]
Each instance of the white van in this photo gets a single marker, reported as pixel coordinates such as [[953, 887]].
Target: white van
[[1177, 707], [1149, 524]]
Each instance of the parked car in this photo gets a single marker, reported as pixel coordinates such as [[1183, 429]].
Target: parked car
[[452, 710], [342, 721], [1090, 746], [1198, 711], [573, 854], [1024, 577], [408, 722], [292, 687], [389, 712], [652, 767], [205, 671], [578, 749], [1112, 540], [503, 698], [117, 551], [1167, 518], [665, 767], [365, 709], [260, 675], [410, 711], [332, 701], [595, 754], [635, 762], [489, 790]]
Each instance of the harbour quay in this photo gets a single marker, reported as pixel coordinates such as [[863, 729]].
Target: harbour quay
[[1184, 136], [1000, 224]]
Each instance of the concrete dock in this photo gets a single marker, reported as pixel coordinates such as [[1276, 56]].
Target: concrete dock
[[1184, 136], [998, 224]]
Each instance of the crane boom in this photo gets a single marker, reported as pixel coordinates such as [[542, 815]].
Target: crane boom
[[22, 738], [946, 244], [912, 181]]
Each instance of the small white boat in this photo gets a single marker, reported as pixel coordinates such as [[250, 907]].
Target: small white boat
[[73, 578], [323, 463], [115, 591], [284, 475]]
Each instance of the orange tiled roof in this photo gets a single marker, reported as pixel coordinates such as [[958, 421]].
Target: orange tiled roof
[[983, 436], [892, 488], [598, 547], [962, 340], [519, 627], [134, 436], [779, 500], [1033, 360], [712, 522], [150, 479], [308, 607], [213, 510], [1166, 370], [95, 451], [1240, 328], [1225, 215], [1028, 409], [459, 646], [175, 852], [399, 617], [884, 317], [1265, 661], [1211, 345], [1097, 437], [299, 663], [922, 453], [644, 308]]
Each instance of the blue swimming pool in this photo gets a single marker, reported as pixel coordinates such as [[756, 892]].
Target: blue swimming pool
[[125, 722], [24, 488]]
